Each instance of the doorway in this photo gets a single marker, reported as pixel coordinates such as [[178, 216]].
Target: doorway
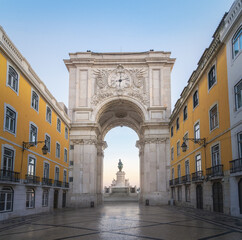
[[56, 193], [64, 199], [217, 197], [199, 194]]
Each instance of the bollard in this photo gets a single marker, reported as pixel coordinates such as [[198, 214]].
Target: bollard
[[92, 204], [147, 202]]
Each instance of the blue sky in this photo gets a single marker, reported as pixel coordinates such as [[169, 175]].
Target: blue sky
[[46, 31]]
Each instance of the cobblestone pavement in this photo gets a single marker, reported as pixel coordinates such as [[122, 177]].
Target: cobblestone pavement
[[124, 221]]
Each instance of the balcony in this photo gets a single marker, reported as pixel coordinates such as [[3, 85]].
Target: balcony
[[172, 182], [31, 179], [236, 165], [57, 183], [186, 179], [197, 176], [10, 176], [215, 171], [47, 181], [65, 185], [178, 181]]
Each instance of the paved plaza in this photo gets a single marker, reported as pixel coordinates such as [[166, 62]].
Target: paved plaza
[[124, 221]]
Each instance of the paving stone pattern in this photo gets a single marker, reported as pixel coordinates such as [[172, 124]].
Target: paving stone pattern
[[124, 221]]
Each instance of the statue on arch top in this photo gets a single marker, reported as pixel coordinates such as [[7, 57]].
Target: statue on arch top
[[120, 165]]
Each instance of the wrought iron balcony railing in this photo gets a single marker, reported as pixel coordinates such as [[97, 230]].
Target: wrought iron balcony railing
[[178, 181], [186, 178], [11, 176], [57, 183], [172, 182], [215, 171], [31, 179], [197, 176], [47, 181], [65, 185], [236, 165]]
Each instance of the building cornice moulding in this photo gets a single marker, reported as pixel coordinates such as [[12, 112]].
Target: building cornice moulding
[[11, 51]]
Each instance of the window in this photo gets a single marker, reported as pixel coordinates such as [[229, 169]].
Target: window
[[45, 198], [172, 153], [187, 170], [185, 113], [30, 198], [215, 155], [238, 95], [58, 125], [172, 131], [179, 171], [187, 190], [31, 166], [66, 132], [33, 134], [48, 114], [65, 155], [237, 42], [177, 123], [240, 144], [64, 176], [185, 139], [197, 131], [195, 99], [47, 142], [57, 173], [46, 170], [198, 163], [172, 174], [178, 148], [35, 101], [179, 194], [8, 160], [57, 150], [10, 120], [213, 117], [6, 199], [211, 77], [13, 79]]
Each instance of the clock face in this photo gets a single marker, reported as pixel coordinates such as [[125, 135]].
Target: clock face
[[119, 80]]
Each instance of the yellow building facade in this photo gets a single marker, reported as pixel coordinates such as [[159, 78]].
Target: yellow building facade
[[200, 140], [30, 118]]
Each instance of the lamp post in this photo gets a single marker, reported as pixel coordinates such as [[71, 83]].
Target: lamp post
[[200, 141], [27, 145]]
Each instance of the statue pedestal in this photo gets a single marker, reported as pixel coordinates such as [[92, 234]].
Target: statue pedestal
[[120, 179]]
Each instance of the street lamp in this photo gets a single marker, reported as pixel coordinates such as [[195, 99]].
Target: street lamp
[[27, 145], [200, 141]]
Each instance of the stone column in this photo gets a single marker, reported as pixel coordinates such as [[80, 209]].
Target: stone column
[[154, 177], [140, 145], [101, 145]]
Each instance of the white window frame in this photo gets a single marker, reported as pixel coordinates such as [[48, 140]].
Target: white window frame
[[197, 122], [35, 164], [194, 107], [64, 171], [56, 150], [209, 113], [10, 147], [32, 92], [8, 66], [66, 133], [172, 173], [29, 198], [65, 150], [5, 115], [198, 154], [179, 170], [46, 162], [177, 121], [238, 142], [187, 142], [32, 123], [236, 96], [232, 42], [57, 167], [178, 153], [219, 153], [187, 163], [172, 153], [58, 120], [6, 193], [185, 107], [215, 69], [45, 198], [49, 149], [47, 120]]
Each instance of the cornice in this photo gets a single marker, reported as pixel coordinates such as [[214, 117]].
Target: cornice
[[11, 51]]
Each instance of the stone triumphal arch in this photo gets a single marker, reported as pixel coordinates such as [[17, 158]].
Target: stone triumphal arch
[[118, 89]]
